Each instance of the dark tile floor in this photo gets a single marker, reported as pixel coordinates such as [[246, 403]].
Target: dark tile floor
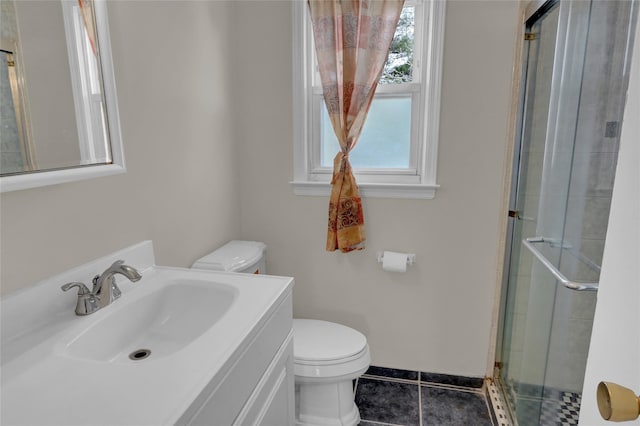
[[409, 398]]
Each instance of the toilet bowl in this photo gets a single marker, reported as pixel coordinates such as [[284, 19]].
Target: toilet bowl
[[327, 356]]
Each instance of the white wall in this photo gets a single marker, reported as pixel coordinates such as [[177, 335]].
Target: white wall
[[200, 83], [438, 316], [179, 189]]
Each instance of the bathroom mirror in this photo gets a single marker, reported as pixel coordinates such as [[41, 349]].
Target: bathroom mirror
[[58, 106]]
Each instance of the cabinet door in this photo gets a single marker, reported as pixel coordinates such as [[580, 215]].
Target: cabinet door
[[278, 409], [272, 403]]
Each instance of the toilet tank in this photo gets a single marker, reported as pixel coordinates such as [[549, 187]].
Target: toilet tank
[[236, 256]]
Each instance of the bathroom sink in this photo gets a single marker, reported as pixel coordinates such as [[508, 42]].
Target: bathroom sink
[[196, 326], [155, 325]]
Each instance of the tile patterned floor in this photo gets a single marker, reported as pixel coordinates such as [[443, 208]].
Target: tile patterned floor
[[563, 411], [409, 398], [536, 406]]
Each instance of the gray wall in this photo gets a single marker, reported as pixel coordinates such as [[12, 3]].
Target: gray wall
[[53, 126]]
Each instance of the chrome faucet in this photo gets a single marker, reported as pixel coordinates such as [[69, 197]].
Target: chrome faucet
[[105, 289], [104, 286]]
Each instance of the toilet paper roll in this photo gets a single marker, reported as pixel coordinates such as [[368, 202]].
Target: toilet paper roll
[[394, 262]]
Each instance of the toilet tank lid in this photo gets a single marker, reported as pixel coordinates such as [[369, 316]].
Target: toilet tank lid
[[233, 256], [316, 340]]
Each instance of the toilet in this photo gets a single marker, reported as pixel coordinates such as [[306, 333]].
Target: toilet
[[327, 356]]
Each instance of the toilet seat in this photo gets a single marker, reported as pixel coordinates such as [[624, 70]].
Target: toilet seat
[[324, 349], [339, 361]]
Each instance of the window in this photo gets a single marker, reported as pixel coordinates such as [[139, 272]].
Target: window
[[397, 151]]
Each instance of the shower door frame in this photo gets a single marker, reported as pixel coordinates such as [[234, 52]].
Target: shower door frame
[[534, 10]]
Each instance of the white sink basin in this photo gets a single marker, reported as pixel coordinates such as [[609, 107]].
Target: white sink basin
[[60, 368], [156, 325]]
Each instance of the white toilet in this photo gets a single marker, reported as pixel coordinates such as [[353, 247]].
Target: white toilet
[[327, 356]]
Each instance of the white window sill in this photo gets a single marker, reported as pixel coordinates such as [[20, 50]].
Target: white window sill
[[370, 190]]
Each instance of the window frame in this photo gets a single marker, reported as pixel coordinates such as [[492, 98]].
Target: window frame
[[419, 179]]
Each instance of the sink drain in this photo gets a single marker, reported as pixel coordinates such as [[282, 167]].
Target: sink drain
[[140, 354]]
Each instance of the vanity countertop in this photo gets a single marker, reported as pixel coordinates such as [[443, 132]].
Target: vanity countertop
[[45, 382]]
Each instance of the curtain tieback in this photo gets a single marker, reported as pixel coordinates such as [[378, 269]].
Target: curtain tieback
[[339, 165]]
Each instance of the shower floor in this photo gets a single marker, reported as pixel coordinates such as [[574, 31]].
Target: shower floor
[[555, 408]]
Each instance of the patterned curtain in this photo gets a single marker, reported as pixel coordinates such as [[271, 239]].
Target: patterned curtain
[[352, 39]]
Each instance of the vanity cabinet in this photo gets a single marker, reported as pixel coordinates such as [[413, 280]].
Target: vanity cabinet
[[258, 388]]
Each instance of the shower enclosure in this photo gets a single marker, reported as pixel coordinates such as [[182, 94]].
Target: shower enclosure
[[575, 74]]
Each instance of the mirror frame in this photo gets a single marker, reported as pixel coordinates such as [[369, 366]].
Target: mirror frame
[[53, 177]]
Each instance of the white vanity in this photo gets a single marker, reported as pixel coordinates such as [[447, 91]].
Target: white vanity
[[180, 346]]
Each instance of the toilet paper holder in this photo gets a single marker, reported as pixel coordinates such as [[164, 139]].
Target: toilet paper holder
[[411, 257]]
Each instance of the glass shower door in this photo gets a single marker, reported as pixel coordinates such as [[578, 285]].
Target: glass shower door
[[576, 72], [529, 309]]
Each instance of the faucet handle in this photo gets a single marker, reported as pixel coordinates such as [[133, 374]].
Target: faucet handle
[[82, 289], [87, 303]]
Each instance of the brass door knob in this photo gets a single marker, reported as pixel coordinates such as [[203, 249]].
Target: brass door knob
[[617, 403]]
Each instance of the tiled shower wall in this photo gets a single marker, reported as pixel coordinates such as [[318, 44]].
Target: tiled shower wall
[[595, 155]]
